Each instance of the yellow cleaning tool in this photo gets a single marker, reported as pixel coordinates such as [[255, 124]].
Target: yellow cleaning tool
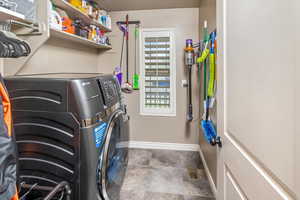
[[203, 56], [212, 73]]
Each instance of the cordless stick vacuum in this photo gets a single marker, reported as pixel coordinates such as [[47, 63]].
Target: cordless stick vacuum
[[189, 62]]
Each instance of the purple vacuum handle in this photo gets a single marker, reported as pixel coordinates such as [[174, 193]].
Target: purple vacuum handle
[[119, 77]]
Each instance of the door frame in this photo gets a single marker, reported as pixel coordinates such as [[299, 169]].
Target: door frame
[[221, 63]]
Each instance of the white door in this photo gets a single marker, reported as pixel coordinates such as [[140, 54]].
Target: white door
[[259, 99]]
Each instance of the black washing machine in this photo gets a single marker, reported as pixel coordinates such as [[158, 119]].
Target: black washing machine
[[70, 127]]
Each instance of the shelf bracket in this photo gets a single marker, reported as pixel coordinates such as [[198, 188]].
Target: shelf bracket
[[35, 29]]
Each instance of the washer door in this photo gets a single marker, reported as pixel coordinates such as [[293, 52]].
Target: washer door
[[114, 156]]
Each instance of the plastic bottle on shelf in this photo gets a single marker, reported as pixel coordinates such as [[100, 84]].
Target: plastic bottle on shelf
[[84, 4], [94, 14], [55, 19], [90, 33], [108, 22], [99, 17], [90, 10], [93, 32], [98, 35], [103, 19]]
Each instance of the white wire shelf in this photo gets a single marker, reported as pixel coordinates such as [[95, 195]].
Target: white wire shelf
[[6, 14]]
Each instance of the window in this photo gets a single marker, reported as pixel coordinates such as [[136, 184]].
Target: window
[[158, 72]]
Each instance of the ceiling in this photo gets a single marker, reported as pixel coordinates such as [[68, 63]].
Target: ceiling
[[123, 5]]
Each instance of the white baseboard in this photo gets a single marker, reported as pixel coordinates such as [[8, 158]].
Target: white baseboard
[[208, 174], [163, 146]]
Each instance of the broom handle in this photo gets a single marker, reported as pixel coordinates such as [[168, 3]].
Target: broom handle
[[135, 51], [127, 47], [206, 99], [121, 61]]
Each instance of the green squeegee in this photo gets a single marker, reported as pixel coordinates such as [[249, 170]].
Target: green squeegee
[[136, 76]]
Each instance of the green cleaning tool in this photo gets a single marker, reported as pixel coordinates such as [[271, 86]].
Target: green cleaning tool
[[212, 66], [211, 83], [203, 56], [208, 127], [136, 76]]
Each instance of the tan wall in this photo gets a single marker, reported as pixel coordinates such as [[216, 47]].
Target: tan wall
[[117, 5], [1, 67], [160, 129], [62, 56], [208, 12]]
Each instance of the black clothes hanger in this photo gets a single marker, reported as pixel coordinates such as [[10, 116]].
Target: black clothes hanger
[[13, 47], [10, 45], [22, 43]]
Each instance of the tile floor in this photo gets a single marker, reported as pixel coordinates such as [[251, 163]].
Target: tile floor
[[165, 175]]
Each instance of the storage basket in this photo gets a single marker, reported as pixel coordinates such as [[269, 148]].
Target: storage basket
[[27, 8]]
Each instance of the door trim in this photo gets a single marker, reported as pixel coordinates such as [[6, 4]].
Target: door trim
[[208, 174], [221, 83], [280, 189], [233, 181]]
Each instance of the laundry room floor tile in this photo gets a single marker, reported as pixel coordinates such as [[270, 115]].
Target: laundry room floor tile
[[139, 157], [165, 175], [132, 195], [166, 180], [137, 178], [179, 159], [197, 188]]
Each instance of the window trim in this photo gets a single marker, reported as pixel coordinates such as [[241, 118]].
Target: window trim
[[169, 112]]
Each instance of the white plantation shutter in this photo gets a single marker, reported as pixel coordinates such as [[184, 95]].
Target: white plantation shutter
[[158, 73]]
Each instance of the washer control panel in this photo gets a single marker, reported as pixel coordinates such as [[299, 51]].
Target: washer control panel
[[109, 91]]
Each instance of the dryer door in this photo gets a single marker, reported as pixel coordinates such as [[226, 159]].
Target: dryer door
[[115, 156]]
